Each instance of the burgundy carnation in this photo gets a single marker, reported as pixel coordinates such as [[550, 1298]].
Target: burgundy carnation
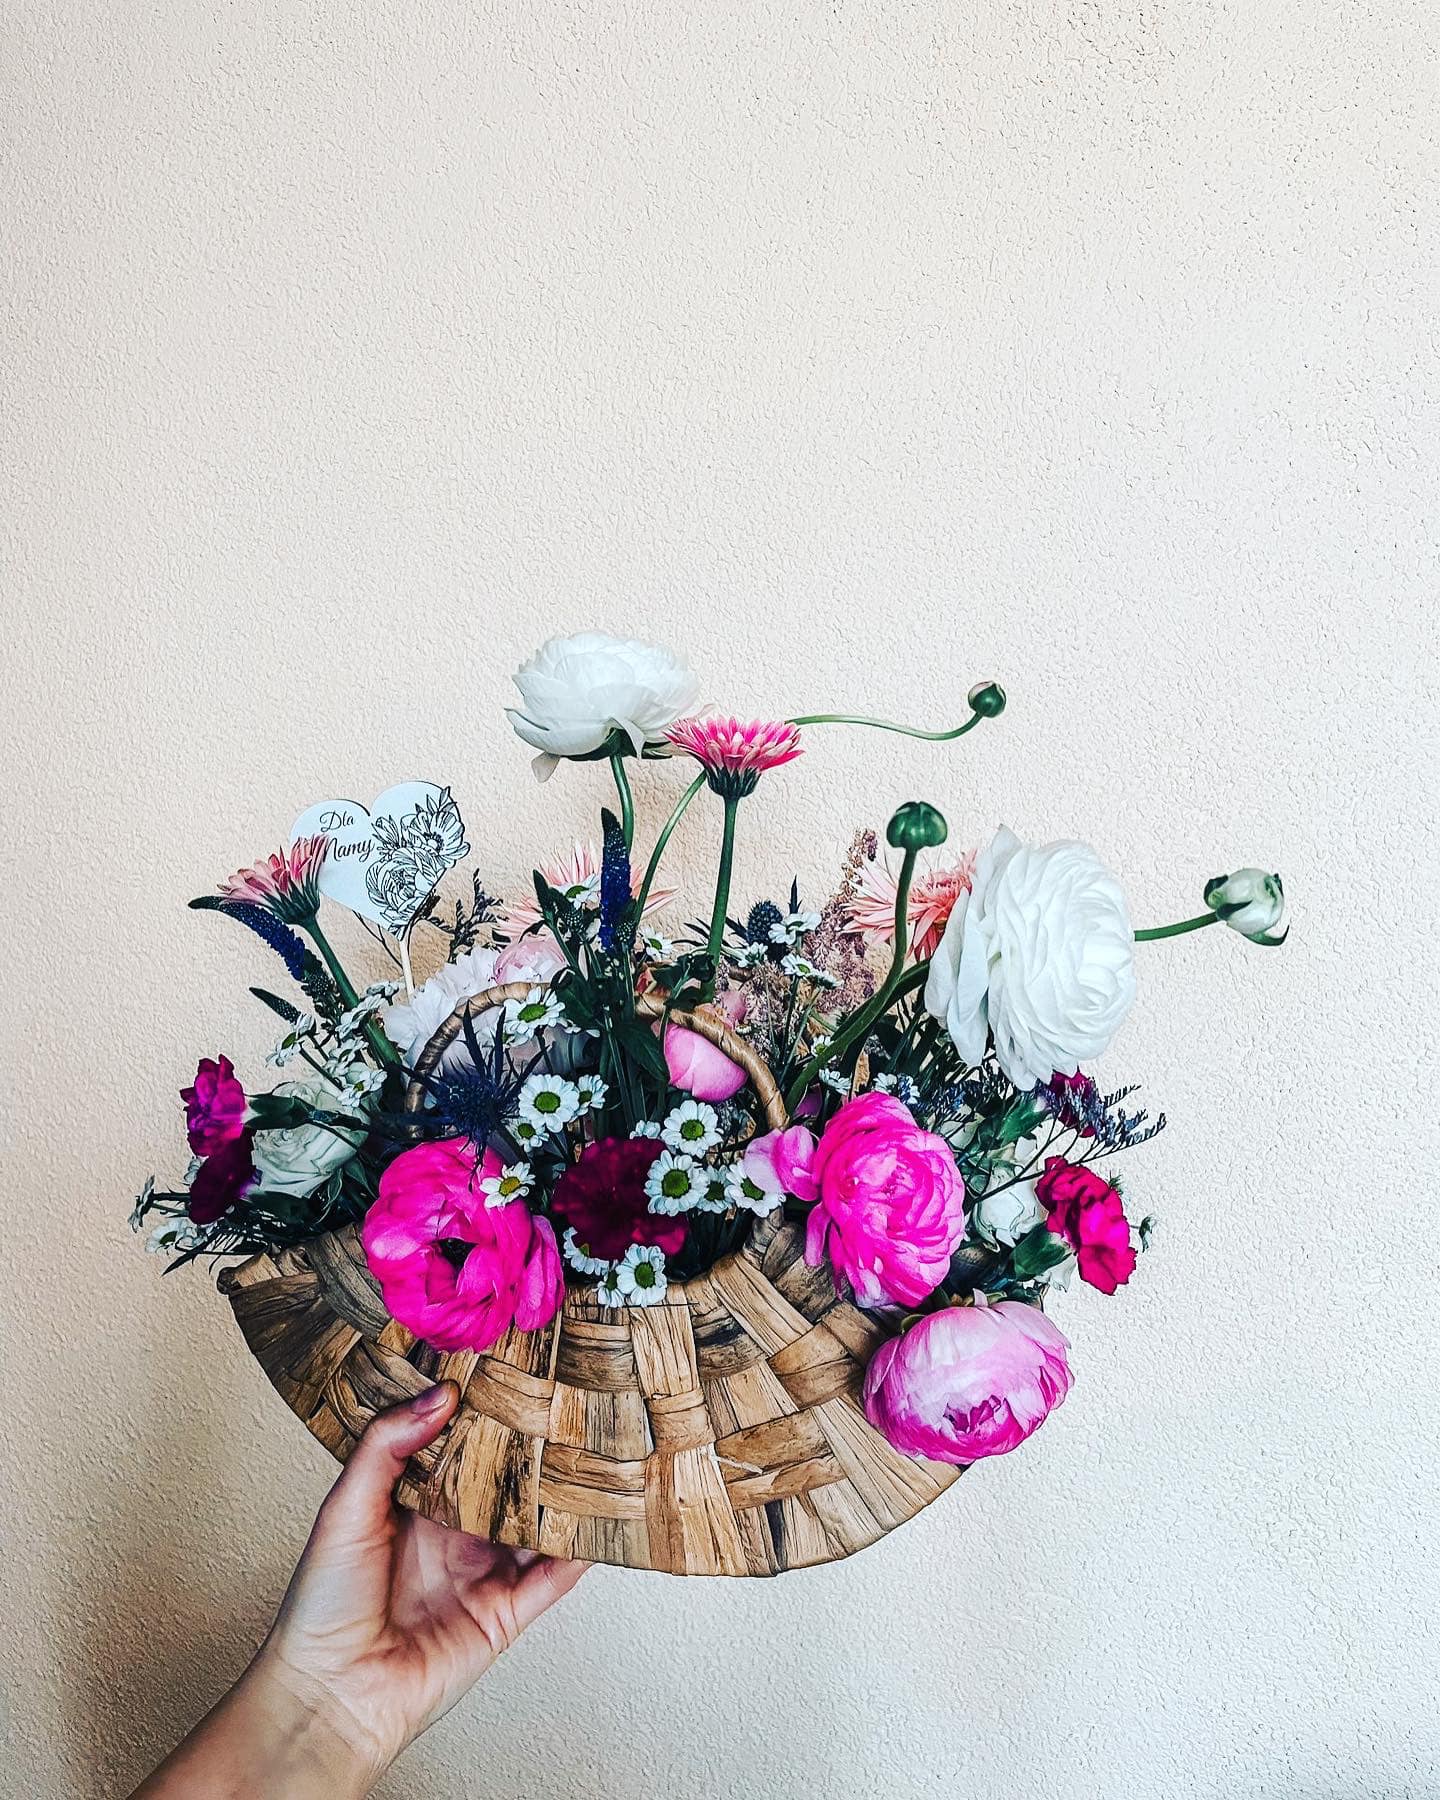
[[602, 1198], [221, 1180], [1070, 1096], [1087, 1212]]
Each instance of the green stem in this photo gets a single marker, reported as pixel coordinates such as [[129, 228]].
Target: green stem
[[664, 838], [379, 1043], [933, 737], [722, 890], [627, 802], [1168, 931]]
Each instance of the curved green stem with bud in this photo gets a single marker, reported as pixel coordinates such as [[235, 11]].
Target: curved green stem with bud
[[1155, 932], [987, 701], [651, 868]]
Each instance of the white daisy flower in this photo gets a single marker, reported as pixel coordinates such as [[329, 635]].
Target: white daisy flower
[[352, 1023], [524, 1132], [748, 956], [142, 1203], [593, 1092], [607, 1292], [822, 1040], [647, 1128], [692, 1127], [289, 1046], [579, 1257], [548, 1102], [358, 1080], [583, 893], [674, 1183], [192, 1169], [382, 990], [835, 1079], [793, 927], [742, 1191], [640, 1278], [172, 1237], [525, 1019], [512, 1183], [714, 1199], [656, 946]]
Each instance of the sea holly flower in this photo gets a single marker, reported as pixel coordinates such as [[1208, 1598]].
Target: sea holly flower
[[579, 1258], [290, 1045], [968, 1381], [548, 1102], [525, 1019], [286, 884], [639, 1277], [735, 755], [1040, 954], [215, 1106], [602, 1197], [577, 693], [455, 1271], [692, 1127], [1250, 902], [1088, 1214], [513, 1182], [674, 1184]]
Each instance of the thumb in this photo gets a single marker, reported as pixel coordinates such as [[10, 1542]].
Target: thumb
[[358, 1505]]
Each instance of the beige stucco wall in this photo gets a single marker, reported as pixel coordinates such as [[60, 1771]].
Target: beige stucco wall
[[862, 350]]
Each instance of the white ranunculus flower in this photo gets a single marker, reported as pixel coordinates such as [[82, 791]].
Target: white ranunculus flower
[[1004, 1218], [576, 691], [1040, 953], [411, 1025], [297, 1160], [1250, 901]]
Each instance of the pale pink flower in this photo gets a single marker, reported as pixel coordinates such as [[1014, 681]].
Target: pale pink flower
[[577, 878], [735, 755], [286, 884], [696, 1066], [967, 1381], [933, 893]]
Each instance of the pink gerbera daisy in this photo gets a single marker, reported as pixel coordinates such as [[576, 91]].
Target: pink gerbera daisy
[[933, 893], [575, 878], [287, 884], [734, 755]]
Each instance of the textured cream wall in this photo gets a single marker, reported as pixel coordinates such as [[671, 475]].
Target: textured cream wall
[[862, 350]]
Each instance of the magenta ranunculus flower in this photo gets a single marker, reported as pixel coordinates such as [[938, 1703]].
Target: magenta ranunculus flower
[[214, 1107], [890, 1204], [967, 1382], [1088, 1213], [456, 1272]]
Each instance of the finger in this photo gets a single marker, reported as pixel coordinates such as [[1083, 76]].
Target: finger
[[542, 1584], [359, 1503]]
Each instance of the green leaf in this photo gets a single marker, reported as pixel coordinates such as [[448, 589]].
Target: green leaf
[[1040, 1249], [642, 1046], [207, 903]]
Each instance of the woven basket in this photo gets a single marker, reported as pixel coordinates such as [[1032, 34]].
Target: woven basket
[[717, 1433]]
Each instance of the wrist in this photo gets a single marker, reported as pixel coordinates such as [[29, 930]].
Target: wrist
[[318, 1740]]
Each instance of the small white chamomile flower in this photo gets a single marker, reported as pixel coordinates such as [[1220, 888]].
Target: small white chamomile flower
[[352, 1023], [748, 956], [656, 946], [526, 1019], [593, 1092], [674, 1183], [607, 1291], [512, 1183], [584, 893], [691, 1127], [647, 1128], [578, 1255], [743, 1191], [793, 927], [835, 1079], [714, 1197], [548, 1102], [143, 1202], [640, 1278], [289, 1046], [172, 1237]]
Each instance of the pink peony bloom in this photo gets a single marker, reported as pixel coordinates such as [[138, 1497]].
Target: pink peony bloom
[[783, 1162], [734, 755], [535, 957], [214, 1107], [967, 1382], [456, 1272], [933, 893], [221, 1180], [696, 1066], [890, 1206], [577, 878], [1087, 1212], [288, 883]]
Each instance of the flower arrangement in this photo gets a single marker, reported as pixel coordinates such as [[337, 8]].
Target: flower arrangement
[[590, 1093]]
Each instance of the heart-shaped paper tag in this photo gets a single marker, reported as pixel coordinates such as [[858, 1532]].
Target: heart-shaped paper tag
[[384, 860]]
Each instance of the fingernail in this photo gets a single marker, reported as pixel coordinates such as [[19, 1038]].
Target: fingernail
[[431, 1400]]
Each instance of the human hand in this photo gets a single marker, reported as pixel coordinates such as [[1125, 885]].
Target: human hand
[[389, 1617]]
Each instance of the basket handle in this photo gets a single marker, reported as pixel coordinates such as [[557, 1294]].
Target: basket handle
[[706, 1024]]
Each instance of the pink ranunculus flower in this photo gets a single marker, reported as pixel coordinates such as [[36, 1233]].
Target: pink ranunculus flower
[[430, 1208], [967, 1382], [783, 1162], [214, 1107], [1088, 1213], [696, 1066], [890, 1205]]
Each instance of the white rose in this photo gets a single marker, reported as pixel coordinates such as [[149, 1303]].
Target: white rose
[[1040, 954], [1004, 1218], [297, 1160], [1249, 901], [576, 691]]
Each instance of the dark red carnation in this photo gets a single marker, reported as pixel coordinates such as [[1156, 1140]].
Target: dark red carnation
[[602, 1199], [1087, 1212], [214, 1107], [221, 1180], [1071, 1095]]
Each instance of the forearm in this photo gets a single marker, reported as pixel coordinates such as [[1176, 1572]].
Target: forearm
[[261, 1741]]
